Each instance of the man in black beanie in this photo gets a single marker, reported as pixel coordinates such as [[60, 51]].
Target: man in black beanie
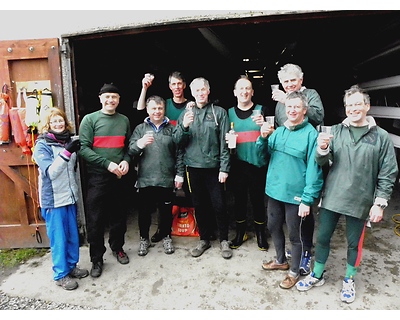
[[104, 136]]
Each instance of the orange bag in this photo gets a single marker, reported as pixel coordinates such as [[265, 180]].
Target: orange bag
[[5, 105], [184, 222]]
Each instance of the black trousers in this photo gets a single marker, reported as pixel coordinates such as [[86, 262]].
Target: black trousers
[[246, 180], [106, 206], [152, 198], [206, 190]]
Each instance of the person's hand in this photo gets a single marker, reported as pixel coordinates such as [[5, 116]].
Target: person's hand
[[123, 167], [73, 146], [375, 214], [147, 139], [258, 119], [323, 140], [304, 210], [115, 169], [266, 130], [147, 80], [222, 177], [188, 118], [279, 95]]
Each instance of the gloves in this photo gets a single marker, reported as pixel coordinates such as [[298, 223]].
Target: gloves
[[73, 146]]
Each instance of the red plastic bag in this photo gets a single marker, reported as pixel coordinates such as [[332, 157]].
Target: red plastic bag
[[184, 222]]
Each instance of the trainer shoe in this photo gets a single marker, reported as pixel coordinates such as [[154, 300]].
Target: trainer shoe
[[144, 246], [202, 246], [226, 250], [168, 246], [305, 264], [121, 256], [79, 273], [97, 269], [274, 265], [67, 283], [310, 281], [288, 254], [348, 293]]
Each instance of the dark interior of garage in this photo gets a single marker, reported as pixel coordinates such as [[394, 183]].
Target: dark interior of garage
[[334, 49]]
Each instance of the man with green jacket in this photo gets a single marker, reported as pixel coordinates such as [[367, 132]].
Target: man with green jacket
[[201, 133], [358, 186]]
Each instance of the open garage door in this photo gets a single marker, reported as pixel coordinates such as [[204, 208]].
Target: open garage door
[[33, 67]]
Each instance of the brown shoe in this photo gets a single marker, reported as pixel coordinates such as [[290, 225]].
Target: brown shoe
[[273, 265], [288, 282]]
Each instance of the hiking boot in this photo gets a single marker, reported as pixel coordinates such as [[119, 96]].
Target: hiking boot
[[289, 281], [273, 265], [305, 264], [310, 281], [79, 273], [226, 250], [348, 292], [67, 283], [156, 237], [168, 246], [144, 246], [121, 256], [202, 246], [97, 269]]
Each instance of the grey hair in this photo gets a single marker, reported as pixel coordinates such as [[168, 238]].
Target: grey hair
[[157, 99], [298, 94], [356, 89], [288, 69], [205, 81]]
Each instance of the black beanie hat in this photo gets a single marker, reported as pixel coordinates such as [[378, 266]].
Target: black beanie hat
[[109, 88]]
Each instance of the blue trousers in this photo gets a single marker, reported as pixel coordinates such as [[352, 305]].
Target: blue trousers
[[62, 230]]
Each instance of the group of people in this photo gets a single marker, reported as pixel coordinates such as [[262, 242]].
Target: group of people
[[182, 145]]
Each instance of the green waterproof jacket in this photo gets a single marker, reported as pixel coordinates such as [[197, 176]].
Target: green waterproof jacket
[[159, 162], [293, 175], [360, 170], [204, 140]]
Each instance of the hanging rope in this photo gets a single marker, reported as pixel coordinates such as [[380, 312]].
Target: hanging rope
[[34, 199], [396, 220]]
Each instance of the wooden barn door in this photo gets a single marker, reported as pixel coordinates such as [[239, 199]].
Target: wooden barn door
[[31, 66]]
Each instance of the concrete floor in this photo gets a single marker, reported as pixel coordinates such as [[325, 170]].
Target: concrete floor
[[181, 282]]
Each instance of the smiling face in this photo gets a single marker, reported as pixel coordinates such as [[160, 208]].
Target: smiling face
[[356, 109], [243, 91], [295, 111], [57, 124], [156, 112], [109, 102], [177, 86], [200, 92], [291, 82]]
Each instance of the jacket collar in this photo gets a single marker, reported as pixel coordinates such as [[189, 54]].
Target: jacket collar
[[370, 120]]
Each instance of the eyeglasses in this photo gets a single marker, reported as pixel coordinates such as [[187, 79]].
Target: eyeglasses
[[57, 121]]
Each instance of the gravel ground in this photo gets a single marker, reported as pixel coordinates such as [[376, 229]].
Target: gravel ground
[[8, 302], [18, 303]]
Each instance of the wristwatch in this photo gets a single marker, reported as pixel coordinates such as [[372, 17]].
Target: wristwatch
[[380, 205]]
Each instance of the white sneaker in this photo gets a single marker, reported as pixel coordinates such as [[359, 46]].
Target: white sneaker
[[348, 293], [310, 281]]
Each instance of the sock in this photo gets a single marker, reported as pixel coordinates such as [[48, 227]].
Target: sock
[[318, 269]]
